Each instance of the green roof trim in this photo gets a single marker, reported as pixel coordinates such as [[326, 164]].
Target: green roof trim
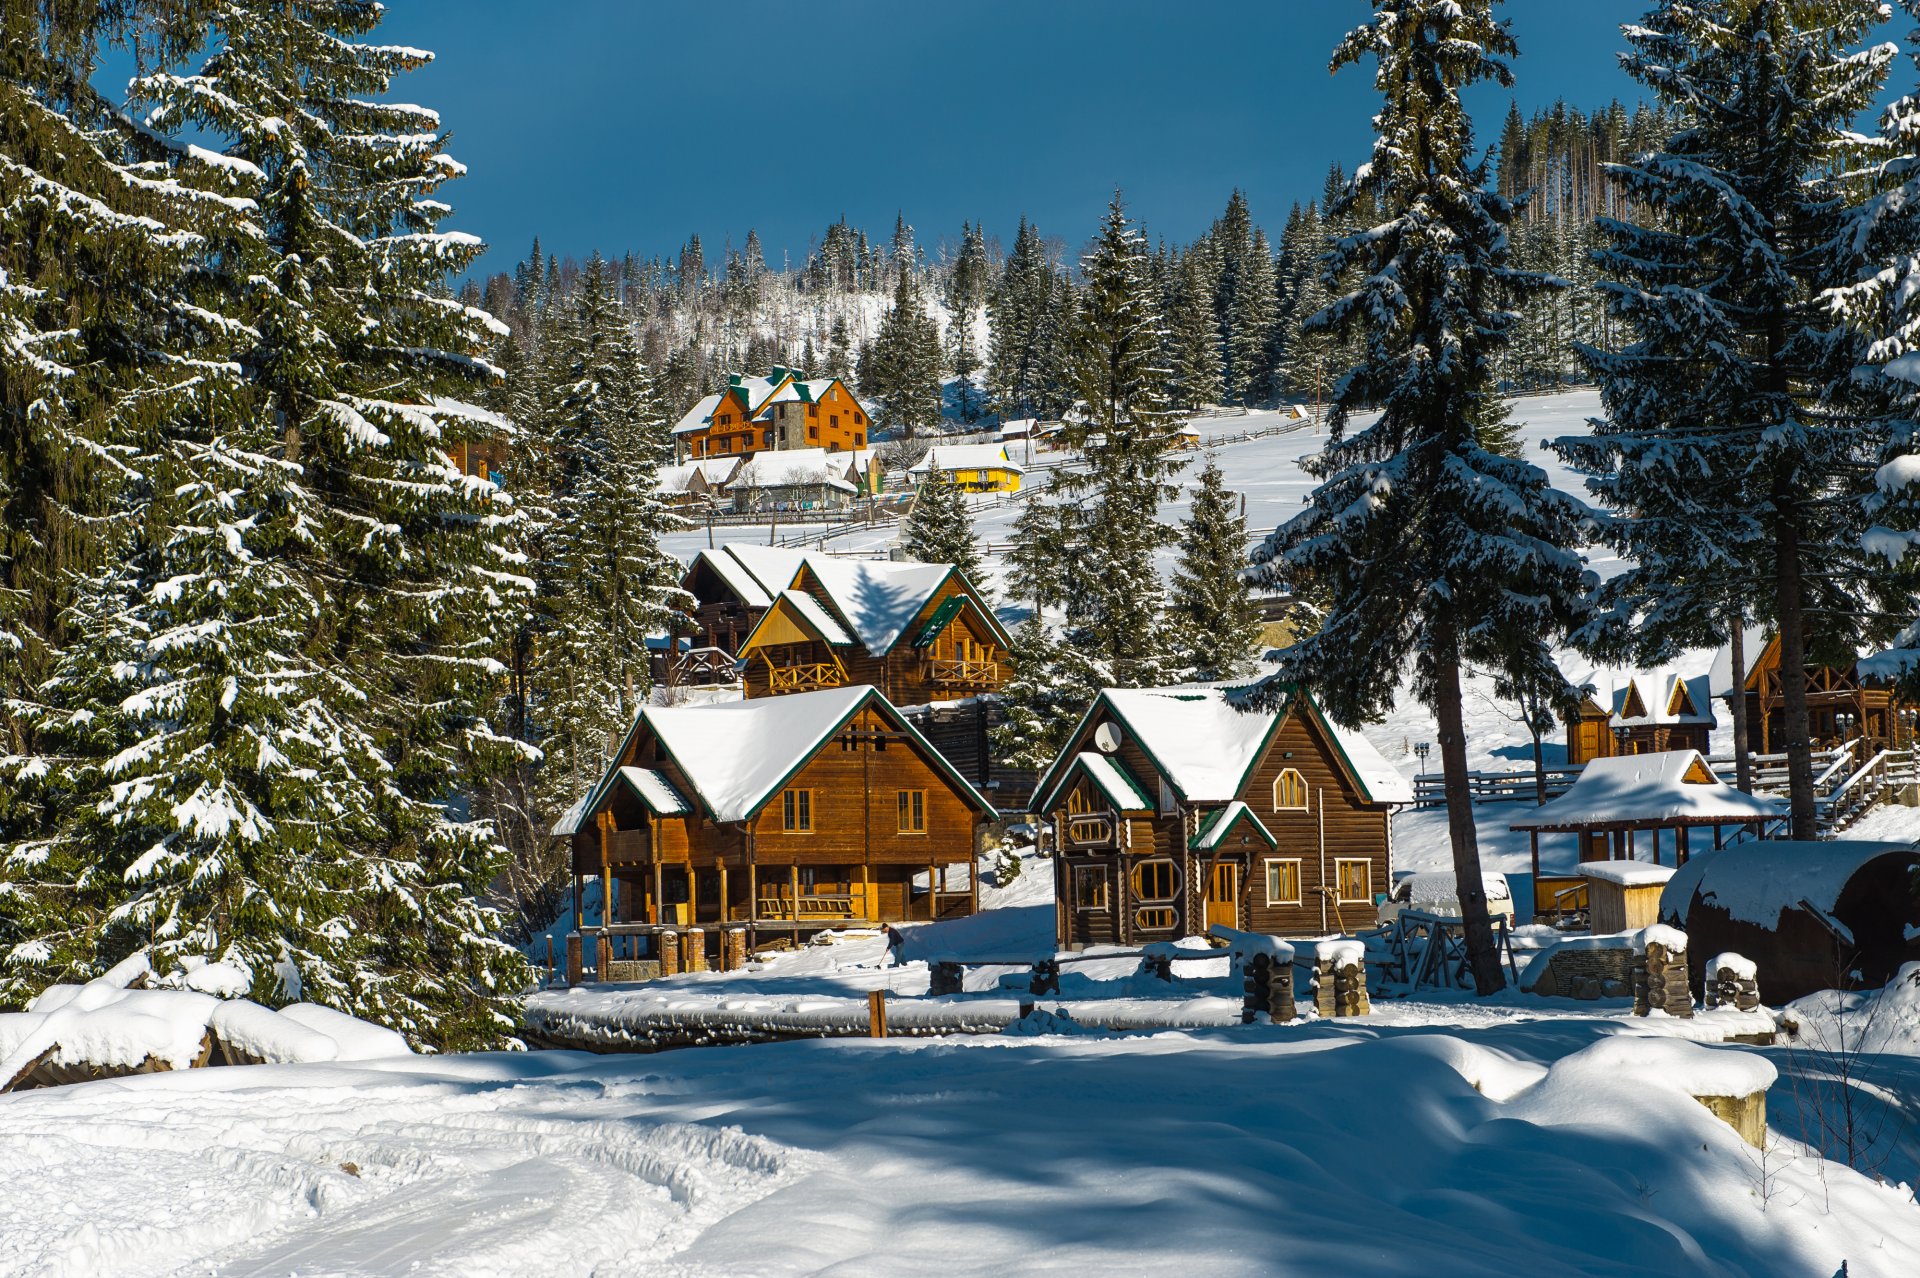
[[1214, 830], [1109, 777], [949, 609]]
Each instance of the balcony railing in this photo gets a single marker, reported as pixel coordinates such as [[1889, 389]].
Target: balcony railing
[[962, 673], [805, 677], [814, 906]]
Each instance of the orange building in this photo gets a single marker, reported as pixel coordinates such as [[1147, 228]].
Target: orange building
[[778, 411]]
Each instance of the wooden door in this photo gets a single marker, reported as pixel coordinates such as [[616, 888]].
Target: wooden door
[[1223, 894]]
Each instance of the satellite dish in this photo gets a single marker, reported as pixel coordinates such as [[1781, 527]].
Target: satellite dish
[[1107, 738]]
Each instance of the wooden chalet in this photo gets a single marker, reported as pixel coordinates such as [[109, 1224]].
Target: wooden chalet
[[1843, 704], [779, 411], [1174, 809], [918, 632], [1643, 713], [800, 480], [787, 816], [731, 588]]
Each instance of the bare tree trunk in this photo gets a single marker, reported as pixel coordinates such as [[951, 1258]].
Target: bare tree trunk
[[1790, 607], [1485, 960], [1737, 703]]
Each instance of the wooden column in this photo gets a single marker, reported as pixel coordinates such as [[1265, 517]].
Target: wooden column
[[723, 891], [659, 890], [933, 893], [606, 870], [1680, 841], [1533, 842], [793, 902], [866, 893]]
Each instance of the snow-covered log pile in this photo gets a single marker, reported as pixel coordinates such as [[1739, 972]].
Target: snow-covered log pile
[[111, 1027], [1340, 979], [1732, 981], [1660, 972]]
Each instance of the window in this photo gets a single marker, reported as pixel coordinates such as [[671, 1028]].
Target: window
[[1290, 791], [1156, 880], [858, 420], [796, 807], [1283, 882], [913, 811], [813, 432], [1354, 882], [859, 440], [1089, 887], [726, 419], [813, 410], [833, 419], [1077, 801]]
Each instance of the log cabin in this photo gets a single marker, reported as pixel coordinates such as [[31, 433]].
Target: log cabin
[[731, 588], [1176, 809], [920, 633], [1642, 712], [1844, 703], [788, 815], [779, 411]]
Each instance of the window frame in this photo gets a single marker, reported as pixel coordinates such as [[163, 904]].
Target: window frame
[[796, 805], [1340, 880], [1156, 863], [911, 811], [1306, 792], [1096, 874], [1268, 863]]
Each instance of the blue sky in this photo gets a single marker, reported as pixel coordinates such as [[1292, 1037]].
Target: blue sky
[[628, 124]]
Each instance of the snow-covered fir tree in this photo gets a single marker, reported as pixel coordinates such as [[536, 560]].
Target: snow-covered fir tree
[[1438, 548], [1722, 451], [1053, 684], [1124, 434], [1027, 350], [1211, 612], [901, 370], [370, 373], [1193, 337], [939, 529]]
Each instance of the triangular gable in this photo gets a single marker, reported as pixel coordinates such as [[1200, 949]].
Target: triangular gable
[[1146, 739], [1633, 706], [1681, 702], [795, 617], [1373, 778], [1220, 823], [949, 609], [1769, 659], [1107, 775], [1698, 773]]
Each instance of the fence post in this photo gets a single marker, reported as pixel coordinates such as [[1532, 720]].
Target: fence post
[[876, 1013]]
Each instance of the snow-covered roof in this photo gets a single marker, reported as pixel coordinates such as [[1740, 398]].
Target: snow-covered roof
[[1627, 873], [654, 789], [1441, 887], [715, 471], [965, 457], [739, 578], [735, 754], [810, 610], [1757, 880], [1379, 780], [1672, 787], [1113, 780], [794, 466], [698, 416], [1216, 826], [774, 567], [877, 598], [1200, 739], [1638, 698]]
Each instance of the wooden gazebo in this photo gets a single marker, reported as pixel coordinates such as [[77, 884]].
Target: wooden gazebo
[[1615, 799]]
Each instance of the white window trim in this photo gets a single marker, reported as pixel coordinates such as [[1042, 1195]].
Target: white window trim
[[1305, 789], [1295, 862], [1337, 877]]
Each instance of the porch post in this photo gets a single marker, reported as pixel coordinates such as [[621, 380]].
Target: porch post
[[1533, 847], [659, 889], [723, 892], [606, 870]]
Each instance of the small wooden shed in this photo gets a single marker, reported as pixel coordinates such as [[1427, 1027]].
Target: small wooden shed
[[1624, 896]]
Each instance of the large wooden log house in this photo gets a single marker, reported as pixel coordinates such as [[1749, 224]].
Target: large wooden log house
[[1843, 704], [1176, 809], [786, 815]]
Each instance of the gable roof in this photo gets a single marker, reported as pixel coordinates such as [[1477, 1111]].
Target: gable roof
[[745, 585], [737, 754], [1109, 777], [877, 598], [1214, 830], [792, 466], [698, 416], [814, 615], [965, 457], [1205, 745], [774, 567], [1671, 787], [655, 790]]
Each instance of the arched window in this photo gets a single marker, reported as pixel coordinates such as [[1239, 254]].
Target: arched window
[[1290, 791]]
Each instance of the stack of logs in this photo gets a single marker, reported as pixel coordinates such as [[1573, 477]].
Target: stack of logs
[[1269, 988], [1660, 973], [1732, 982], [1340, 980]]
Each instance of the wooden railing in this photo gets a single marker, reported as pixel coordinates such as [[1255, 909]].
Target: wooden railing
[[805, 676], [815, 906], [705, 666], [971, 674]]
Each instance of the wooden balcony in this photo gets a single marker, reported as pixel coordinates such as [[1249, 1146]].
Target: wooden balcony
[[815, 907], [805, 676], [964, 674]]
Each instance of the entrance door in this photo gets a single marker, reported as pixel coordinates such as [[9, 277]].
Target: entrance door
[[1223, 894]]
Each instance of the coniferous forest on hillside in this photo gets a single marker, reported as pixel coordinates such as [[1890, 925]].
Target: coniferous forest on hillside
[[285, 683]]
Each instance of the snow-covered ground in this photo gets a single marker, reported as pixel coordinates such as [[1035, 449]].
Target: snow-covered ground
[[1508, 1143]]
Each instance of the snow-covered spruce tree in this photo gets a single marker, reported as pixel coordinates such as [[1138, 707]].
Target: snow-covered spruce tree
[[109, 337], [1193, 338], [1880, 260], [1052, 686], [1437, 547], [1041, 566], [1308, 367], [369, 370], [1211, 610], [1123, 436], [1723, 451], [939, 530], [902, 367], [1020, 307]]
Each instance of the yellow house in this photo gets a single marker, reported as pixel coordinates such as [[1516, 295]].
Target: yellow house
[[974, 468]]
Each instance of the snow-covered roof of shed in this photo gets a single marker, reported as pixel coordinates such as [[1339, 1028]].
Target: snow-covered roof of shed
[[878, 598], [1648, 790], [1627, 873], [1755, 881], [810, 610], [795, 466], [965, 457], [1657, 690], [698, 416]]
